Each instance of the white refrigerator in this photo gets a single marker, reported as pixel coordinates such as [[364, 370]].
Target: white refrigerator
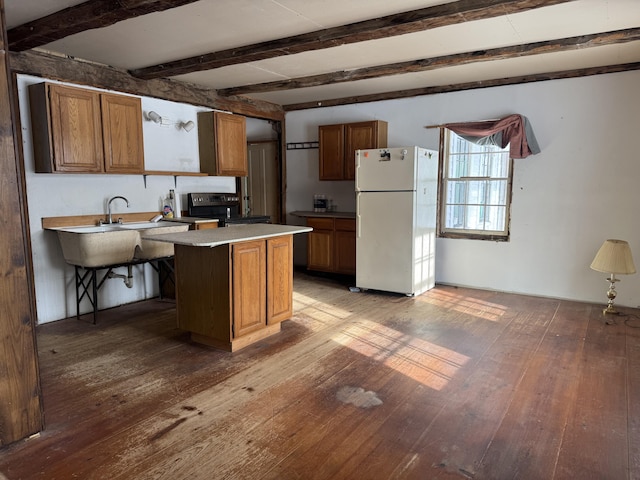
[[396, 205]]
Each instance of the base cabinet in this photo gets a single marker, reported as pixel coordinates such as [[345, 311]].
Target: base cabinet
[[236, 294], [331, 245]]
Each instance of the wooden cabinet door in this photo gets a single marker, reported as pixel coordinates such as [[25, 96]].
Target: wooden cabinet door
[[122, 133], [75, 129], [279, 279], [345, 246], [320, 250], [331, 152], [231, 144], [249, 287], [222, 141], [360, 136], [320, 244]]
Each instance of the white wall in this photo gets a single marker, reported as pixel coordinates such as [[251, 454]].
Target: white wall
[[50, 195], [580, 190]]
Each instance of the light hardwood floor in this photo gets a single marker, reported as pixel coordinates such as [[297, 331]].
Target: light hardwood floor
[[452, 384]]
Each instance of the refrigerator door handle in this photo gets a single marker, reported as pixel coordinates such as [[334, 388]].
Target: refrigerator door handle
[[358, 220], [357, 168]]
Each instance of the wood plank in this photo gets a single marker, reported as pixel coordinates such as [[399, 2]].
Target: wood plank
[[473, 384], [85, 16], [94, 219], [531, 430], [595, 440], [498, 82], [397, 24], [54, 67], [632, 338], [427, 64], [457, 439], [20, 407]]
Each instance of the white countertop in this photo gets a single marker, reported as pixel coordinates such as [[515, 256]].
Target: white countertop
[[220, 236]]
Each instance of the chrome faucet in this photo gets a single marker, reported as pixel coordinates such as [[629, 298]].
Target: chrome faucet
[[109, 219]]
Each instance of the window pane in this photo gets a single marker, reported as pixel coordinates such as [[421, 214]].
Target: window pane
[[497, 192], [478, 166], [476, 192], [457, 166], [456, 192], [495, 218], [500, 165], [474, 218], [455, 216]]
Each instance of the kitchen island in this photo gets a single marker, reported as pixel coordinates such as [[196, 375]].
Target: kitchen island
[[234, 285]]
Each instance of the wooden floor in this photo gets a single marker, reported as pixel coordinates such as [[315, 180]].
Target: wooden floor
[[452, 384]]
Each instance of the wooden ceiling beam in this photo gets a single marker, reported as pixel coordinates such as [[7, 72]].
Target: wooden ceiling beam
[[391, 25], [85, 16], [416, 92], [422, 65], [64, 69]]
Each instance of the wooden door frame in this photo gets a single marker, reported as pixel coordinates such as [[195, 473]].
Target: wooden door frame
[[281, 149], [21, 413]]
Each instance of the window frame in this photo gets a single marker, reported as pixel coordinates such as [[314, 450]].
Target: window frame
[[444, 232]]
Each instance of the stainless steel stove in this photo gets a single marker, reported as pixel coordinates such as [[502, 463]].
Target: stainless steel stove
[[223, 206]]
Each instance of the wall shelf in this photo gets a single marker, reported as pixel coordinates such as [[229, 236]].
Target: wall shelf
[[302, 145], [175, 175]]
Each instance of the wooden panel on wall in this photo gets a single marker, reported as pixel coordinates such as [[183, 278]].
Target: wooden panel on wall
[[54, 67], [20, 406]]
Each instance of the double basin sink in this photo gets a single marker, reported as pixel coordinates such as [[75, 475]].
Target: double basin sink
[[115, 243]]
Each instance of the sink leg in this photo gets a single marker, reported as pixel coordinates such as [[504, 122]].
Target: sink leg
[[95, 296], [83, 285], [77, 293]]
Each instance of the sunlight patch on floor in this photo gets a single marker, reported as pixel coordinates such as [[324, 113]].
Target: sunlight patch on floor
[[423, 361], [318, 310], [464, 304]]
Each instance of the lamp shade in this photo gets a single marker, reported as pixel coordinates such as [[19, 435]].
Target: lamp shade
[[614, 256]]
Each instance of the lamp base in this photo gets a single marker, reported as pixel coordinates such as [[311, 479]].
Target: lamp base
[[611, 296], [609, 313]]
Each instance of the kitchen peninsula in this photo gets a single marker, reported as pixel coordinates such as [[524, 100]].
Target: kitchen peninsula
[[234, 285]]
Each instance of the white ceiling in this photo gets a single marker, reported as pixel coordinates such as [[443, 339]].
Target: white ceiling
[[213, 25]]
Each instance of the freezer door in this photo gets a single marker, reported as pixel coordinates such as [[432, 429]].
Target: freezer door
[[386, 169]]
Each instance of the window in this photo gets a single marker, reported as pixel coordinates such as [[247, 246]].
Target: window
[[475, 189]]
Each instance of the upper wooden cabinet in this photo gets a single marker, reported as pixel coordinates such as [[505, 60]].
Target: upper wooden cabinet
[[222, 140], [338, 144], [122, 133], [84, 131]]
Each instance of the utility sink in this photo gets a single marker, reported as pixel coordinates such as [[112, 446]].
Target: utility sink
[[115, 244]]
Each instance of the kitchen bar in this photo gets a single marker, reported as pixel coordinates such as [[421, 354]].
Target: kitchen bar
[[233, 285]]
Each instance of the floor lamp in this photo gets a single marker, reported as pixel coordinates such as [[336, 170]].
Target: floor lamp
[[614, 257]]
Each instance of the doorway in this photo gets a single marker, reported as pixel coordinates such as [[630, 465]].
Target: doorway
[[260, 190]]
